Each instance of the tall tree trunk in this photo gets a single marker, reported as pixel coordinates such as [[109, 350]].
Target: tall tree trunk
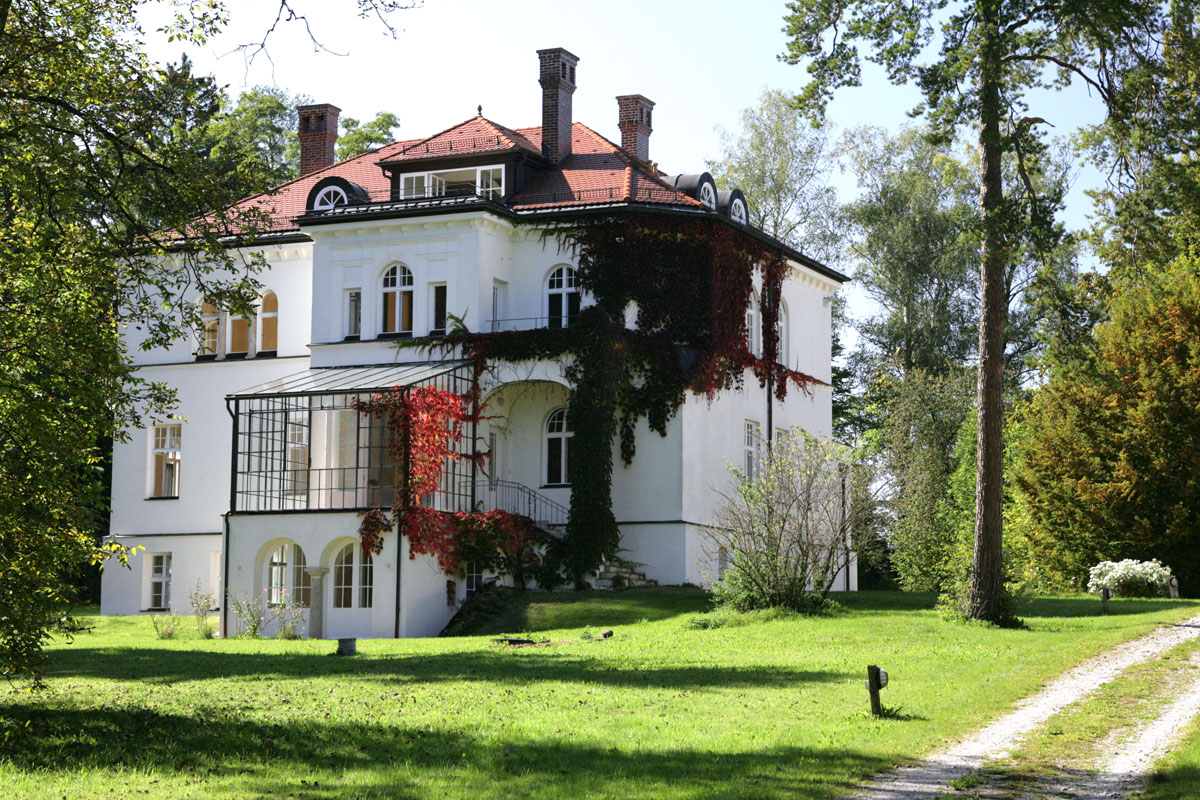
[[985, 598]]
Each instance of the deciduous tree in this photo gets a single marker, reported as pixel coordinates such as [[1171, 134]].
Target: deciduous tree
[[975, 62]]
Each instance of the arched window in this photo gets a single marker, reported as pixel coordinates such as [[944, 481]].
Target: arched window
[[268, 324], [752, 339], [287, 580], [329, 197], [562, 297], [558, 448], [397, 300], [210, 333], [781, 327], [343, 577]]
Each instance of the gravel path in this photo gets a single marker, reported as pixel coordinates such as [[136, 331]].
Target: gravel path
[[931, 777], [1131, 760]]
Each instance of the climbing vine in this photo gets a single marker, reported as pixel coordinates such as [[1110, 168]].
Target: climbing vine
[[424, 426], [690, 281]]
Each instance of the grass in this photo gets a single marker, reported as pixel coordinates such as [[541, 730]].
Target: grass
[[661, 710]]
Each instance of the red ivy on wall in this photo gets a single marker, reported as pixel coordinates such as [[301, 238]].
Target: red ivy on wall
[[432, 422]]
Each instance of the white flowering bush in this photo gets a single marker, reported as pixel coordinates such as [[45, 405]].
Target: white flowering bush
[[1130, 578]]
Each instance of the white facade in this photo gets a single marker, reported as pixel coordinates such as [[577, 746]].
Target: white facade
[[358, 266]]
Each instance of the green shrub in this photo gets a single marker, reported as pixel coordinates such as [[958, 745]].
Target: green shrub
[[165, 625]]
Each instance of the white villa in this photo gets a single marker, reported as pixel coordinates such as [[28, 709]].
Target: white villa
[[256, 488]]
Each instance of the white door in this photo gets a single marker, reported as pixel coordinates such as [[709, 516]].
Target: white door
[[352, 593]]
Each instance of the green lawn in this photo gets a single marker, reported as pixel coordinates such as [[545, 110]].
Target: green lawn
[[774, 709]]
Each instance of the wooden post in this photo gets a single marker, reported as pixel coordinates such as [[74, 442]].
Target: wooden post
[[1173, 588], [1104, 595], [873, 688]]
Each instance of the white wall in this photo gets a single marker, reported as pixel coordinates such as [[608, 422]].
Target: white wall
[[194, 560], [424, 609], [206, 447]]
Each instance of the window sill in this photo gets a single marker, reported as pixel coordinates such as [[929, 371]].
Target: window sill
[[207, 357], [354, 337], [266, 354], [555, 486], [235, 356], [395, 335], [165, 497], [155, 610]]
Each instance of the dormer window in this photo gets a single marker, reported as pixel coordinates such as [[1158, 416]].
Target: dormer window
[[738, 212], [334, 192], [330, 197], [708, 196], [482, 181]]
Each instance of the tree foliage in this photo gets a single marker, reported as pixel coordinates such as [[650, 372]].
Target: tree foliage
[[1114, 438], [783, 165], [925, 412], [99, 174], [359, 137], [975, 62], [1150, 152]]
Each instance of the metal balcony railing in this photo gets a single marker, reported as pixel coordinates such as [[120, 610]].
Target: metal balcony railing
[[526, 323], [516, 498]]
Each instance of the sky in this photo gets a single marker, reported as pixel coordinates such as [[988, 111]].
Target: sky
[[700, 61]]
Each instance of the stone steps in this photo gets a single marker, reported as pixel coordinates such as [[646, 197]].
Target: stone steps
[[620, 575]]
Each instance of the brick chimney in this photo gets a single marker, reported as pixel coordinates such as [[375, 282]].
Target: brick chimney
[[633, 118], [318, 133], [557, 78]]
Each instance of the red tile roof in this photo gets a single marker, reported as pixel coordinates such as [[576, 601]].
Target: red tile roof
[[476, 135], [596, 172]]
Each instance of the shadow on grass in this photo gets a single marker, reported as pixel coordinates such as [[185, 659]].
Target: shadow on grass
[[1049, 607], [511, 612], [307, 759], [1173, 783], [493, 664], [885, 601]]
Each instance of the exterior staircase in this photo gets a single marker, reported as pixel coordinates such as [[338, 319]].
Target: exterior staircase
[[619, 574]]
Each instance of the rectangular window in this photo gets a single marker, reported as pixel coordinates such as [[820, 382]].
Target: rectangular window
[[752, 438], [343, 579], [210, 318], [474, 577], [491, 183], [239, 335], [554, 461], [354, 312], [366, 581], [164, 461], [439, 310], [160, 581], [268, 324], [296, 480], [498, 292], [414, 186], [405, 300]]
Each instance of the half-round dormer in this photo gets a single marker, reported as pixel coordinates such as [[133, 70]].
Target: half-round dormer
[[699, 186], [332, 192], [733, 205]]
